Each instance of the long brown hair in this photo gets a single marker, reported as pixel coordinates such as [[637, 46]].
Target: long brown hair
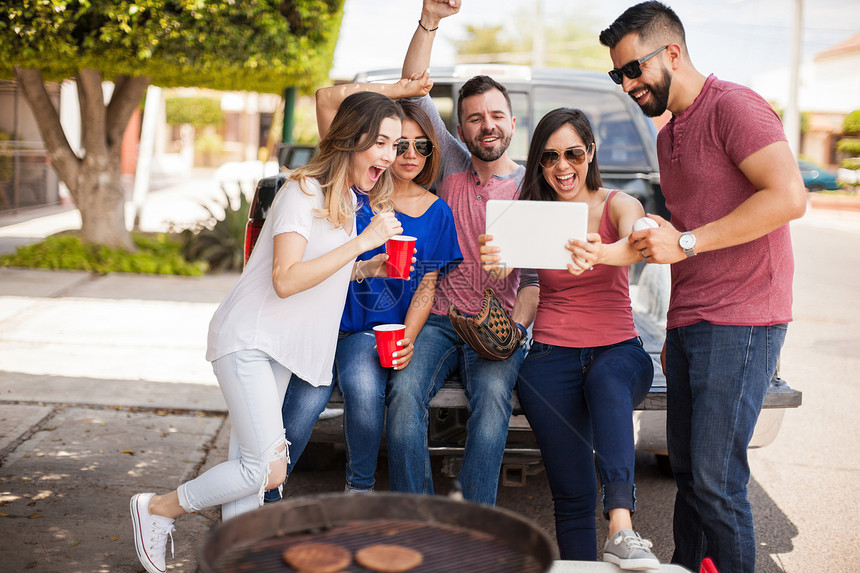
[[534, 186], [355, 128], [431, 166]]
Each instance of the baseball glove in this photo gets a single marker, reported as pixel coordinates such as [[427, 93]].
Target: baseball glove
[[491, 333]]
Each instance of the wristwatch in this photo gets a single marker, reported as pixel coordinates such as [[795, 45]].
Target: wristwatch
[[687, 241]]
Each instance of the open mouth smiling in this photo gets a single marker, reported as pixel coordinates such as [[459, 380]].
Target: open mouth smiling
[[375, 173], [566, 181], [639, 94]]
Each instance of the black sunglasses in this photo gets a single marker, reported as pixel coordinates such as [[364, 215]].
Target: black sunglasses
[[424, 147], [573, 155], [632, 69]]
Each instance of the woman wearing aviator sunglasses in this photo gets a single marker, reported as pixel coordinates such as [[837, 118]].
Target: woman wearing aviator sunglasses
[[586, 369], [381, 301]]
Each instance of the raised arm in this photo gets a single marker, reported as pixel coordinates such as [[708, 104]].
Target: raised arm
[[624, 210], [418, 55], [291, 274], [329, 99]]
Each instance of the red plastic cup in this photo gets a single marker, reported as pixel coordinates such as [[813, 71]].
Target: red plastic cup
[[387, 337], [399, 250]]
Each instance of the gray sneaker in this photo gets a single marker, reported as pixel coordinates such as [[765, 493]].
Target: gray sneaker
[[629, 551]]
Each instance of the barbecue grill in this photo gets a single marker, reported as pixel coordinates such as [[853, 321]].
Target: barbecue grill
[[451, 535]]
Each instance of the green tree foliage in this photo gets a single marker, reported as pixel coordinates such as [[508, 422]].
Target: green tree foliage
[[260, 45], [220, 44], [486, 44], [196, 111], [850, 146], [569, 41], [851, 123]]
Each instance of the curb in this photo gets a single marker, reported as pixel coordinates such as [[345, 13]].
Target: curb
[[833, 202]]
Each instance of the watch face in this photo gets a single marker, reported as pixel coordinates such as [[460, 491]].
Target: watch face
[[687, 241]]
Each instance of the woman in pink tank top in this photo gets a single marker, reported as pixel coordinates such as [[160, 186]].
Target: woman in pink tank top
[[586, 369]]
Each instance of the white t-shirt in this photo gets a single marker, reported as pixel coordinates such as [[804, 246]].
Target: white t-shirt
[[299, 331]]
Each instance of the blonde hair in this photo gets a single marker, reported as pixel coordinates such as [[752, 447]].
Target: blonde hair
[[355, 128]]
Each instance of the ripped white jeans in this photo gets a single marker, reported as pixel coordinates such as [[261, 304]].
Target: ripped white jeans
[[253, 385]]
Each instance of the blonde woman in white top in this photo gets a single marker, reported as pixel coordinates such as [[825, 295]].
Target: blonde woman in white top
[[283, 314]]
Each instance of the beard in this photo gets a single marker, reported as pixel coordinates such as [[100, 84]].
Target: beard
[[659, 100], [475, 148]]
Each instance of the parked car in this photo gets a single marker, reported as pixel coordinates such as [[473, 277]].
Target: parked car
[[626, 149], [627, 155], [816, 177], [290, 156]]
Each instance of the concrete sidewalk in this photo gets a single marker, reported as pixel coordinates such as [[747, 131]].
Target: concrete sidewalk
[[105, 392]]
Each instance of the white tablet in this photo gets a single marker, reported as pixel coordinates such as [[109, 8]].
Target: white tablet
[[532, 234]]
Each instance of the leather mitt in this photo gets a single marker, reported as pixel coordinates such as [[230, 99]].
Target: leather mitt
[[491, 333]]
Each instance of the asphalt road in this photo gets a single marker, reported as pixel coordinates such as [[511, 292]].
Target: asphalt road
[[804, 485]]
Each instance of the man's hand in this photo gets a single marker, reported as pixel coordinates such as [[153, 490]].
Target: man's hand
[[490, 258], [658, 245]]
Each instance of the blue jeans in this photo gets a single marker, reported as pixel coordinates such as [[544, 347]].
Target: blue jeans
[[716, 377], [579, 401], [302, 406], [439, 352], [362, 382]]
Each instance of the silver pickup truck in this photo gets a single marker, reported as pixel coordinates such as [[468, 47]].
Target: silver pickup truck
[[626, 148]]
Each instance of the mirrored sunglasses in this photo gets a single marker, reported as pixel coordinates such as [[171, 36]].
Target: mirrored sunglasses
[[424, 147], [632, 69], [573, 155]]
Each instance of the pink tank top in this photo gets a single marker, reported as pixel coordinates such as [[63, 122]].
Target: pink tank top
[[589, 310]]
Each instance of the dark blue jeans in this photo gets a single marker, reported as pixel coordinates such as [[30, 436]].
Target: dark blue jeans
[[303, 404], [362, 382], [579, 402], [716, 377], [489, 385]]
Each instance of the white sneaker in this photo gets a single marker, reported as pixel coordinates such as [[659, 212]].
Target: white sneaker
[[629, 551], [150, 534]]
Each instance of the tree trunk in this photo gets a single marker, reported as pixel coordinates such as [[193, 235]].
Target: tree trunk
[[101, 202], [94, 178]]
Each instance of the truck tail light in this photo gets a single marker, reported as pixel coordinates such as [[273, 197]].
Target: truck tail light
[[252, 232]]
